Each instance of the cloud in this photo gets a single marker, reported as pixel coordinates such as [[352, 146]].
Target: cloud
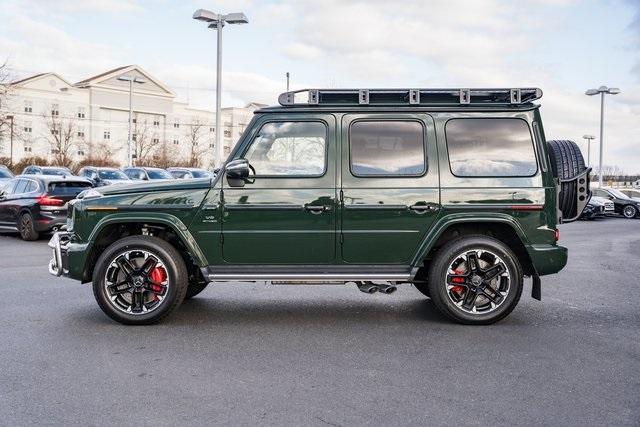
[[108, 6]]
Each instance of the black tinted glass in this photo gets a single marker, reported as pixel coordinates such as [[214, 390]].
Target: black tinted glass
[[387, 148], [67, 188], [490, 147]]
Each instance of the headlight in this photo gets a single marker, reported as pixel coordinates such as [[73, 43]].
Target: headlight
[[90, 194]]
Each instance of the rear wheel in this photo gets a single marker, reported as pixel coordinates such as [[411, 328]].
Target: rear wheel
[[475, 280], [27, 228], [139, 280], [629, 211]]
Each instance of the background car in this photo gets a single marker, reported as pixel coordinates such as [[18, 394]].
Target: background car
[[47, 170], [101, 176], [597, 207], [5, 175], [634, 194], [33, 204], [188, 173], [623, 204], [145, 174]]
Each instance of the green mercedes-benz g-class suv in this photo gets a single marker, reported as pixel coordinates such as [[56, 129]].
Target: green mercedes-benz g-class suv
[[455, 191]]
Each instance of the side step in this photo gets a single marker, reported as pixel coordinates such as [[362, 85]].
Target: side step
[[312, 274]]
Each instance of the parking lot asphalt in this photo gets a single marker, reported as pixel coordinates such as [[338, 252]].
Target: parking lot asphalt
[[328, 355]]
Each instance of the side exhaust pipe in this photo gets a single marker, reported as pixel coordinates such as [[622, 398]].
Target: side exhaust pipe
[[386, 289], [367, 288]]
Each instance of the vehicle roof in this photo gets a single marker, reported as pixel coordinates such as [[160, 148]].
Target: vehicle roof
[[53, 178], [186, 169], [397, 109], [143, 168], [100, 168]]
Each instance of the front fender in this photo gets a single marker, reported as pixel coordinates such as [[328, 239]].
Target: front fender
[[460, 218], [169, 220]]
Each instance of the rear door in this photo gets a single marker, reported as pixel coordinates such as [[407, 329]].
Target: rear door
[[390, 187], [288, 215], [6, 201]]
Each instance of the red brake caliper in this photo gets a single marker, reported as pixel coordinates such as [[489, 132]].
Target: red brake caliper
[[457, 289], [157, 276]]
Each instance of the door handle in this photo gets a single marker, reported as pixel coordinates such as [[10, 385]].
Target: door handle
[[316, 209], [423, 208]]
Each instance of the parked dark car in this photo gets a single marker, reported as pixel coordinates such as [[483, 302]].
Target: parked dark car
[[5, 175], [624, 205], [189, 173], [100, 176], [146, 174], [597, 207], [47, 170], [34, 204], [633, 193]]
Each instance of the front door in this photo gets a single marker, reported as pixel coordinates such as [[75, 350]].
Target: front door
[[288, 214], [390, 186]]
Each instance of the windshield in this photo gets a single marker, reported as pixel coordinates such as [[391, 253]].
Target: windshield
[[619, 194], [5, 174], [158, 174], [54, 171], [178, 174], [112, 174]]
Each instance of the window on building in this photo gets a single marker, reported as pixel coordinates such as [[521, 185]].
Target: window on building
[[227, 130], [80, 132], [288, 149], [176, 142], [55, 132], [212, 145], [28, 107], [81, 114], [387, 148], [490, 147], [27, 127], [134, 137], [106, 134], [212, 129], [27, 149], [80, 153], [176, 124], [156, 122], [156, 140], [55, 110], [134, 120]]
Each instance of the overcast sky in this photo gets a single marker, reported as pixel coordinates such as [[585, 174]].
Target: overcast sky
[[561, 46]]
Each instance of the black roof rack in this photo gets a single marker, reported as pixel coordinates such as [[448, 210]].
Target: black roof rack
[[409, 97]]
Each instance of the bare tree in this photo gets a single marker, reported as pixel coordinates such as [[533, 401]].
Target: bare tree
[[145, 143], [61, 134], [196, 148], [5, 93]]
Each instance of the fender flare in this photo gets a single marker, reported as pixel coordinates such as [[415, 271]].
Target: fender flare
[[461, 218], [169, 220]]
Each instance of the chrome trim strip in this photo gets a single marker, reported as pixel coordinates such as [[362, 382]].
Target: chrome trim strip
[[262, 207], [310, 277], [376, 207]]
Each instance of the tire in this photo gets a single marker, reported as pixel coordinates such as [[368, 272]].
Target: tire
[[629, 211], [566, 163], [26, 227], [168, 260], [505, 288], [194, 289]]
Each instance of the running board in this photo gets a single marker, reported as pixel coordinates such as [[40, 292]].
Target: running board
[[315, 274]]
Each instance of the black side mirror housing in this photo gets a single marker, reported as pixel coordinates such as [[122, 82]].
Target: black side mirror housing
[[237, 172]]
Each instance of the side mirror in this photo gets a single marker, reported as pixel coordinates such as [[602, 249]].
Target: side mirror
[[237, 172]]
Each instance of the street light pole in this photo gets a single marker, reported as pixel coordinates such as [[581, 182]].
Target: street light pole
[[131, 81], [217, 21], [11, 140], [287, 81], [602, 90], [589, 138]]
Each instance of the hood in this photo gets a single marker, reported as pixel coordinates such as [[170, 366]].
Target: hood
[[599, 201], [155, 186]]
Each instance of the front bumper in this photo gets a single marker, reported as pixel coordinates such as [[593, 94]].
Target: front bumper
[[59, 243], [547, 259]]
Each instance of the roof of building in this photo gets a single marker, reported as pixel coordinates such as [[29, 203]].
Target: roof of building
[[97, 76]]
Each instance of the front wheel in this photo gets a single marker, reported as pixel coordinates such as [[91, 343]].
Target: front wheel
[[629, 211], [139, 280], [475, 280]]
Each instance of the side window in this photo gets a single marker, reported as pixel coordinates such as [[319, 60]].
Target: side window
[[10, 188], [490, 147], [32, 186], [21, 186], [283, 149], [387, 148]]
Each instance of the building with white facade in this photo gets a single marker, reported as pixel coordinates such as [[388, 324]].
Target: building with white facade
[[54, 118]]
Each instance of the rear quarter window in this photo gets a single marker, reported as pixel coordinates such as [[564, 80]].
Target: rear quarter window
[[490, 147]]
